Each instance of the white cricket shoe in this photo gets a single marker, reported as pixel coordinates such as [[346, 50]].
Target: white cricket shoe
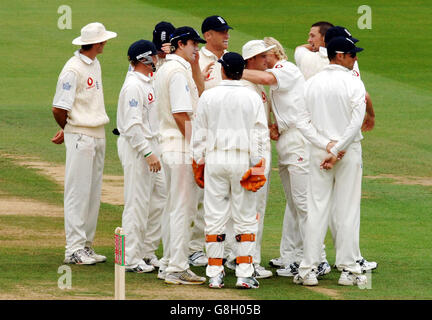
[[161, 274], [276, 263], [152, 260], [261, 272], [184, 277], [80, 257], [367, 265], [98, 257], [309, 280], [349, 279], [247, 283], [198, 259], [140, 268], [288, 271], [217, 282], [323, 269]]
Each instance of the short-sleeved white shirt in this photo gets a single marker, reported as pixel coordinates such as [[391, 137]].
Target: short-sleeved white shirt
[[215, 75], [179, 94], [67, 85], [310, 63], [287, 94]]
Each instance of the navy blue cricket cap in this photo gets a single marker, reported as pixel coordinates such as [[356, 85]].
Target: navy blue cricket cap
[[161, 33], [186, 33], [338, 31], [141, 49], [342, 45], [216, 23], [232, 62]]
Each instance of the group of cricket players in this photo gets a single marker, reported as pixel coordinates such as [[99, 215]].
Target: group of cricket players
[[194, 129]]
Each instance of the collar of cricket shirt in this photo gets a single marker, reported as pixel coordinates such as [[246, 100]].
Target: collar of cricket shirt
[[182, 61], [337, 67], [231, 83], [140, 76], [83, 57], [210, 54]]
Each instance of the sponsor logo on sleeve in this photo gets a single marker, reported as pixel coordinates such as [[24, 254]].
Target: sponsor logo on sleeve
[[278, 66], [355, 73], [264, 97], [150, 97], [67, 86], [133, 103]]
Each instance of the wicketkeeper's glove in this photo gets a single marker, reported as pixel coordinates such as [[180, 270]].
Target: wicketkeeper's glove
[[254, 178], [198, 171]]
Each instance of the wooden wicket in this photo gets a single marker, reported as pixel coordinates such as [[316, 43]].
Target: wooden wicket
[[119, 265]]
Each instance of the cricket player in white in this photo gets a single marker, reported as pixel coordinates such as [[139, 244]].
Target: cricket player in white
[[311, 58], [286, 92], [138, 150], [215, 31], [177, 95], [335, 101], [156, 230], [229, 134], [79, 109], [254, 52]]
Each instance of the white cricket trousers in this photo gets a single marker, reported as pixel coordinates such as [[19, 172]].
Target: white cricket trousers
[[82, 189], [293, 158], [224, 197], [144, 193], [197, 242], [180, 210], [338, 188], [261, 205]]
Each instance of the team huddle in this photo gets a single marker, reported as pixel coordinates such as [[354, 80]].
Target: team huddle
[[194, 130]]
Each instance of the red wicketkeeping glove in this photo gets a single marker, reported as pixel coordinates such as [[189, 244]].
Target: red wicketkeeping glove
[[198, 171], [254, 178]]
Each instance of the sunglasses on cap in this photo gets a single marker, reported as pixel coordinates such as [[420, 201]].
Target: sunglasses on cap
[[352, 54]]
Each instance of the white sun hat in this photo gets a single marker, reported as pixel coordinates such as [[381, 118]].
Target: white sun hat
[[94, 32], [254, 47]]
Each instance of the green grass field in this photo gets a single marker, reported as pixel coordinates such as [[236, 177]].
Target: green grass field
[[396, 217]]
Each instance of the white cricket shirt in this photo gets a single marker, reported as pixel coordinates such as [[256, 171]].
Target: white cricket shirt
[[215, 76], [176, 92], [287, 94], [230, 117], [137, 118], [335, 107], [79, 91], [310, 63], [259, 89]]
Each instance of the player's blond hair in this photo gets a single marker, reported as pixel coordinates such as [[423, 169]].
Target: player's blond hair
[[278, 50]]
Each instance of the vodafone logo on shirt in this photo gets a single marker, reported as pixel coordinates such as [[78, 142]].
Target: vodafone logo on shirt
[[90, 83], [264, 96], [356, 73], [150, 97], [278, 66]]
